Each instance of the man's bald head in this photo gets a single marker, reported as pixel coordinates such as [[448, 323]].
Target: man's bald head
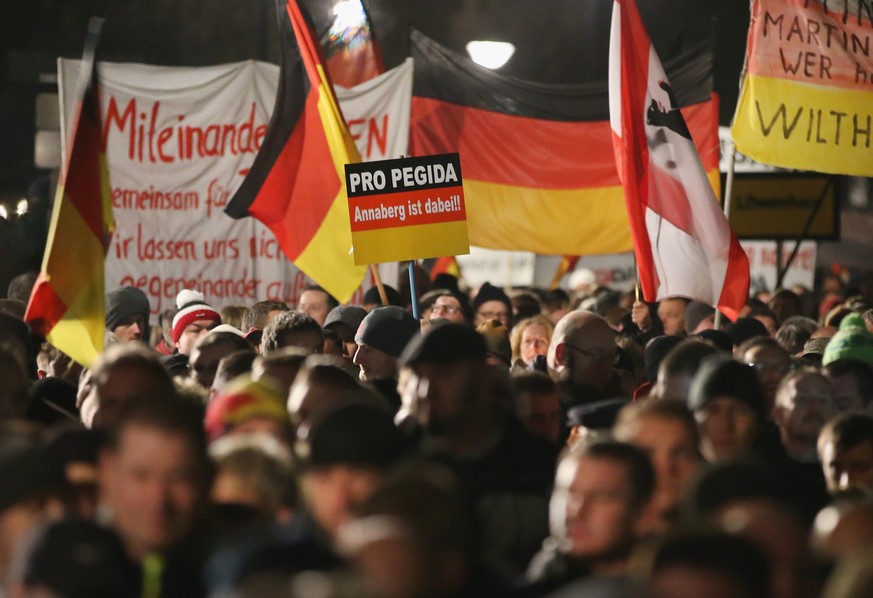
[[582, 349]]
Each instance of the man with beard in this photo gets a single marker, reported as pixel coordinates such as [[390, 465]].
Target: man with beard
[[581, 359]]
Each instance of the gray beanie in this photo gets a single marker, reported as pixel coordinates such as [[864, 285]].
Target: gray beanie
[[388, 329], [124, 302]]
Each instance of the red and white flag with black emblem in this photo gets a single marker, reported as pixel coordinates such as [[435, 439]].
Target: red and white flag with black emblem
[[683, 243]]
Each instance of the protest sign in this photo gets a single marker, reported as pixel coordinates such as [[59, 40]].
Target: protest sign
[[406, 209], [806, 101]]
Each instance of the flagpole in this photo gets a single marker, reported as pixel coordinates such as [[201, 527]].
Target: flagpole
[[636, 278], [728, 196], [413, 292]]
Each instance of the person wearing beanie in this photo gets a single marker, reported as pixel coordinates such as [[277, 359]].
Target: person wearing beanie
[[729, 406], [852, 341], [381, 338], [491, 303], [344, 456], [247, 406], [194, 319], [127, 314]]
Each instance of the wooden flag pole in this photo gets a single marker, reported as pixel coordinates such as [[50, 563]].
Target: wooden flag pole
[[636, 279], [377, 278]]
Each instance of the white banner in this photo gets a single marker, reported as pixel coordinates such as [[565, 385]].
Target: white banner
[[616, 270], [179, 142], [500, 268]]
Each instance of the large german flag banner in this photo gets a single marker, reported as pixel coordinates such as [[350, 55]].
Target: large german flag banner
[[538, 163], [296, 185], [66, 305], [807, 95]]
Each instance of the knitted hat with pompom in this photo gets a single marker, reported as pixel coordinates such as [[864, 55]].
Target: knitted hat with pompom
[[192, 308]]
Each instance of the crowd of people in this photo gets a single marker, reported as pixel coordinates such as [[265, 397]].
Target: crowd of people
[[507, 442]]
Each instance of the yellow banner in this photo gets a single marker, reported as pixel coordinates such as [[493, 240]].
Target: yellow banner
[[807, 99]]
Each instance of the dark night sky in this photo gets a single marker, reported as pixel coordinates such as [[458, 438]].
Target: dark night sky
[[558, 41]]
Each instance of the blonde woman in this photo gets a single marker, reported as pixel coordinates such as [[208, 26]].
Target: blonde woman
[[529, 338]]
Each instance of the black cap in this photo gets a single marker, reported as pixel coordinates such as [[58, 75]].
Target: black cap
[[387, 329], [656, 349], [25, 468], [720, 375], [77, 558], [744, 329], [372, 296], [599, 415], [53, 400], [352, 434], [446, 343], [350, 315], [719, 338]]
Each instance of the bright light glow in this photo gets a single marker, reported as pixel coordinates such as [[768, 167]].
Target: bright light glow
[[22, 206], [3, 212], [348, 13], [491, 55]]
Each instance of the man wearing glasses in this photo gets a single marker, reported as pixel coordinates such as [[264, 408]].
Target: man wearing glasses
[[450, 307], [582, 357]]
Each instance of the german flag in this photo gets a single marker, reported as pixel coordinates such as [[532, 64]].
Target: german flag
[[296, 185], [66, 305], [445, 265], [538, 163], [567, 264]]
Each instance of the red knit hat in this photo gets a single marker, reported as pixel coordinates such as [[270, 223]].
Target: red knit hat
[[242, 400], [192, 308]]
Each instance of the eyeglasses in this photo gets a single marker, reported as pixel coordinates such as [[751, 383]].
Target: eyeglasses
[[763, 368], [443, 308], [595, 354]]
